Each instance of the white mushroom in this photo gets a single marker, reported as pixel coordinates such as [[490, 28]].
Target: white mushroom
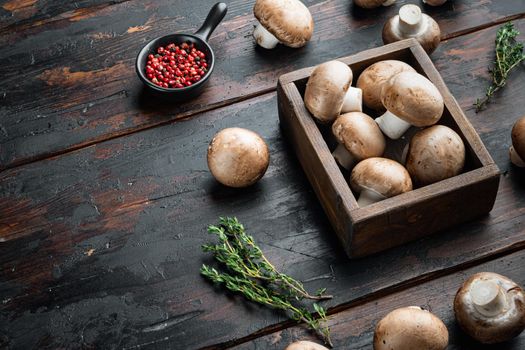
[[305, 345], [288, 22], [329, 92], [372, 79], [379, 178], [371, 4], [434, 2], [490, 308], [435, 154], [359, 138], [410, 99], [238, 157], [411, 23], [517, 150], [410, 328]]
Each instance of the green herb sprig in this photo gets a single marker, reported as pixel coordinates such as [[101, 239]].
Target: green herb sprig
[[509, 54], [250, 273]]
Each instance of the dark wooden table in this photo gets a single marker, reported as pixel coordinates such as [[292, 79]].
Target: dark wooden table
[[105, 194]]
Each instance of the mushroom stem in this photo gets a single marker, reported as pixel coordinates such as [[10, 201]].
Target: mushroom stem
[[343, 157], [368, 197], [410, 19], [353, 101], [264, 38], [488, 298], [389, 2], [391, 125], [515, 158]]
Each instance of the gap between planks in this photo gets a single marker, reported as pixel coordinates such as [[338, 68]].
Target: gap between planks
[[189, 114], [410, 283]]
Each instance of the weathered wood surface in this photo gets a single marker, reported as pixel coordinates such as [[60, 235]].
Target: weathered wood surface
[[101, 245], [354, 327], [68, 80]]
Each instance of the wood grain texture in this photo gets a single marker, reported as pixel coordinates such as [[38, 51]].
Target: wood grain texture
[[101, 245], [354, 327], [68, 80]]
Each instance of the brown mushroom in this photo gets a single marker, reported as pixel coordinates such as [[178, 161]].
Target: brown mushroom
[[379, 178], [434, 2], [372, 79], [517, 150], [490, 308], [410, 328], [372, 4], [305, 345], [238, 157], [411, 23], [288, 22], [359, 138], [435, 154], [329, 92], [410, 99]]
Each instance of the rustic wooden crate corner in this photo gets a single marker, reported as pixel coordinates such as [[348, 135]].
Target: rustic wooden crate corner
[[403, 218]]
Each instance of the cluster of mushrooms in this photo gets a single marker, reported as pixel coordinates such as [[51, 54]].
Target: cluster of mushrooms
[[489, 307], [401, 98]]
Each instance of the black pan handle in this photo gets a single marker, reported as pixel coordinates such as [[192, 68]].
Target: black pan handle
[[217, 13]]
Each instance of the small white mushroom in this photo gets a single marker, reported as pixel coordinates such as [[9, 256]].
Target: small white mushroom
[[410, 99], [411, 23], [359, 138], [379, 178], [517, 150], [410, 328], [329, 92], [434, 2], [372, 4], [435, 154], [372, 79], [288, 22], [490, 308], [238, 157], [305, 345]]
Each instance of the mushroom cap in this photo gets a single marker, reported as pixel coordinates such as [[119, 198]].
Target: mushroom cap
[[489, 330], [410, 328], [434, 2], [305, 345], [369, 4], [381, 175], [326, 89], [435, 153], [413, 98], [518, 137], [372, 79], [429, 37], [238, 157], [289, 21], [360, 135]]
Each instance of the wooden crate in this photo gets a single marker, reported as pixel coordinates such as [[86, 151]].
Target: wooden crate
[[396, 220]]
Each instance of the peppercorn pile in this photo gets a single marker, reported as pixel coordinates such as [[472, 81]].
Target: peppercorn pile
[[175, 66]]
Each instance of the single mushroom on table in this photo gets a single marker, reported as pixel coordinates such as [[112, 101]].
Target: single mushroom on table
[[238, 157], [359, 138], [517, 150], [329, 92], [288, 22], [409, 99], [410, 328], [379, 178], [372, 79], [305, 345], [372, 4], [435, 154], [490, 308], [411, 23]]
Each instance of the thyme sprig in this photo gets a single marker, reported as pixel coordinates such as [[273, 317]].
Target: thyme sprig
[[250, 273], [509, 54]]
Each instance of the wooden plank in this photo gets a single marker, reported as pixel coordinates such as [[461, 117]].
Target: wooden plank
[[101, 246], [69, 81], [354, 328]]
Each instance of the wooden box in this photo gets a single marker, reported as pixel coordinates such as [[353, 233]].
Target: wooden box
[[405, 217]]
